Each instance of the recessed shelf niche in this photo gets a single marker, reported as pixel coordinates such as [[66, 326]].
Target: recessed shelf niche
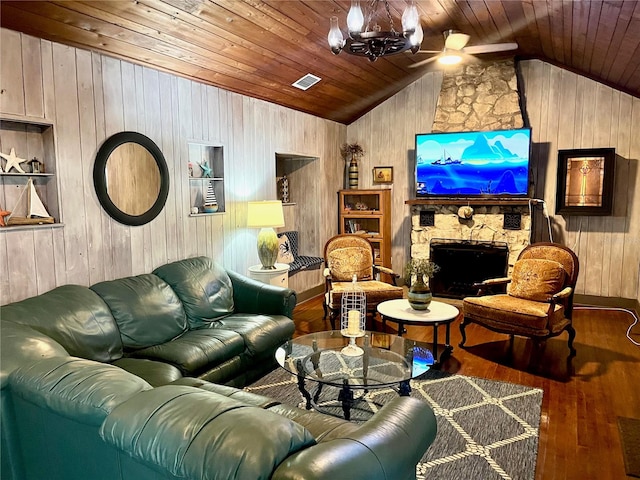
[[205, 169]]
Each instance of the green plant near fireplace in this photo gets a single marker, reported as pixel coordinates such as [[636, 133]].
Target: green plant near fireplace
[[416, 271]]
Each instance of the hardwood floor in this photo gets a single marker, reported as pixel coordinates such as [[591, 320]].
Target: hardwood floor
[[582, 399]]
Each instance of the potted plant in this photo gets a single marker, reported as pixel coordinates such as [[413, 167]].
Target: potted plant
[[416, 272], [351, 152]]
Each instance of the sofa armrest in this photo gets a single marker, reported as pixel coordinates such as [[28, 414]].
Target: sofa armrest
[[389, 445], [192, 434], [252, 296], [21, 345]]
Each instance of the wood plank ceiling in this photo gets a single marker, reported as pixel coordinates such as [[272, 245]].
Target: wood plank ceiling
[[259, 48]]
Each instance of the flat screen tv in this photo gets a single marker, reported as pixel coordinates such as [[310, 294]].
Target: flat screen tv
[[473, 164]]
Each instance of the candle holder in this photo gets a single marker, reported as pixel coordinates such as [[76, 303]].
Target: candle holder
[[353, 309]]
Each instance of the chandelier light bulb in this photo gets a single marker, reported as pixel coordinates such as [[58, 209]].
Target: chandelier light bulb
[[335, 38], [410, 18], [417, 36], [355, 18]]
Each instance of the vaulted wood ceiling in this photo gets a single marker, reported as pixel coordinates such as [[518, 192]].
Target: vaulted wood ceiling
[[259, 48]]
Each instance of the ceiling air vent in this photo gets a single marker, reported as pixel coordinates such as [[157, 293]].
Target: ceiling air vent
[[306, 82]]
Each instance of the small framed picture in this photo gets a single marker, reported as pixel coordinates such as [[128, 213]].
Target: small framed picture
[[382, 174], [585, 181]]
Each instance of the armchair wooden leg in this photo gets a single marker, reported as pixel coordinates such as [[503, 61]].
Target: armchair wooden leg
[[539, 345], [464, 323], [572, 336], [332, 319]]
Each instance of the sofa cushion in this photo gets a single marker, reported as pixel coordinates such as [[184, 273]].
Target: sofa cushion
[[146, 309], [261, 333], [536, 279], [73, 316], [196, 350], [190, 433], [82, 390], [203, 286], [154, 373], [323, 427]]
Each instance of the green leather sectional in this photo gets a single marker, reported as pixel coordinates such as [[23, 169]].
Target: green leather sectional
[[137, 378]]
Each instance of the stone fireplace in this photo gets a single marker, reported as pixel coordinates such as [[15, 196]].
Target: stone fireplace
[[462, 264], [435, 219], [474, 97]]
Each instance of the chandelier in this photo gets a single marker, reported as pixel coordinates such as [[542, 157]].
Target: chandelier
[[369, 39]]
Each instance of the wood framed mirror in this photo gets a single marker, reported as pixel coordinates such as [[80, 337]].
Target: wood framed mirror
[[131, 178]]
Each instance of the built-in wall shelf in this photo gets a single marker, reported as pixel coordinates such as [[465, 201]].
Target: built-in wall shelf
[[32, 140], [206, 179], [27, 174], [471, 201], [39, 226]]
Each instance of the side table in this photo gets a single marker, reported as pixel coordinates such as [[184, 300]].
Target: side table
[[399, 311], [278, 276]]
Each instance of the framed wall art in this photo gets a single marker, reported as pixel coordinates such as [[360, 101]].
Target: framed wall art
[[585, 181], [382, 174]]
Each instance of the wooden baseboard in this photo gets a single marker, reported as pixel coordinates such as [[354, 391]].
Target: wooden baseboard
[[615, 302], [310, 293]]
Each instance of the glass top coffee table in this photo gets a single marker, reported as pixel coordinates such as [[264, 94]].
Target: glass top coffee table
[[387, 361]]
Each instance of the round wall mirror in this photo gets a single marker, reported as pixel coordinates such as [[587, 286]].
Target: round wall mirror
[[131, 178]]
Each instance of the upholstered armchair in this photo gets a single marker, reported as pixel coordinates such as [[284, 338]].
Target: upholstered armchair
[[348, 255], [539, 299]]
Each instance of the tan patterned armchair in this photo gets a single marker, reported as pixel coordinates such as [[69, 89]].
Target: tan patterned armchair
[[539, 299], [348, 255]]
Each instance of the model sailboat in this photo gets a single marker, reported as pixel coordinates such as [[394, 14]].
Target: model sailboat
[[29, 209]]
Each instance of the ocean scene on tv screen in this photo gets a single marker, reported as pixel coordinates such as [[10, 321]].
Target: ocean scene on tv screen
[[473, 163]]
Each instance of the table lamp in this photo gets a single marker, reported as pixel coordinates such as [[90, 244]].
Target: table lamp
[[266, 215]]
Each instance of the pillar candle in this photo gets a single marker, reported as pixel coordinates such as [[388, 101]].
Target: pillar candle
[[353, 324]]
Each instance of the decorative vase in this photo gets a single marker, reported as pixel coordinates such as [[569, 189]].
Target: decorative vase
[[353, 173], [419, 294]]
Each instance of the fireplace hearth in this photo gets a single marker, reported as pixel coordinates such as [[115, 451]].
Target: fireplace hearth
[[463, 263]]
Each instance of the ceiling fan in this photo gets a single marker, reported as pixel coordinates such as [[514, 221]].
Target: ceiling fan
[[455, 46]]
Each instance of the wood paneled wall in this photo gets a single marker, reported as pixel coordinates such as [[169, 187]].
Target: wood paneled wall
[[564, 111], [89, 97]]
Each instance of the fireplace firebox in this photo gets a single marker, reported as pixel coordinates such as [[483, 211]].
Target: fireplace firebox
[[463, 263]]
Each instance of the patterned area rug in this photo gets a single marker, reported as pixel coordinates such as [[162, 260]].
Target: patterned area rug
[[486, 429], [630, 438]]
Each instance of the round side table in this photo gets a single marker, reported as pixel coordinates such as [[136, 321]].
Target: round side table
[[439, 313], [278, 276]]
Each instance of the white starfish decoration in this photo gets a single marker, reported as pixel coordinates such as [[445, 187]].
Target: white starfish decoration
[[13, 161]]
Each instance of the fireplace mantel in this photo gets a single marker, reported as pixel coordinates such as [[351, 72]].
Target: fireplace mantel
[[471, 201]]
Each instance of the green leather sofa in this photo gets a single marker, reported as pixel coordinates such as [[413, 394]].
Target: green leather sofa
[[115, 382]]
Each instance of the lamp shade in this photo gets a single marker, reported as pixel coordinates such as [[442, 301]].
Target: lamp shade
[[266, 213]]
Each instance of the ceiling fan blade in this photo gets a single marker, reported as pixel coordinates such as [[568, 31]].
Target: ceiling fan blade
[[429, 51], [423, 62], [495, 47], [456, 41]]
